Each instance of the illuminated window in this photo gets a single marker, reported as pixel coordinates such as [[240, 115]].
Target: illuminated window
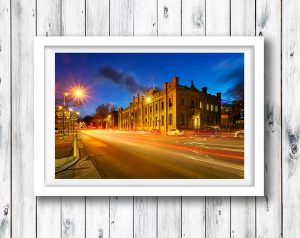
[[201, 105], [207, 107], [216, 108], [212, 107]]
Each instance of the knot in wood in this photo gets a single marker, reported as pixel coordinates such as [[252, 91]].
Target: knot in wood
[[68, 222], [166, 12], [5, 210], [294, 148]]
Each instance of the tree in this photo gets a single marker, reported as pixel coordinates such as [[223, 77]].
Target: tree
[[88, 119]]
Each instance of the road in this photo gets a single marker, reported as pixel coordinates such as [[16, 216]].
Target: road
[[133, 155]]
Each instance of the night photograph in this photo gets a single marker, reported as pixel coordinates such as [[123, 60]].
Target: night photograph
[[149, 115]]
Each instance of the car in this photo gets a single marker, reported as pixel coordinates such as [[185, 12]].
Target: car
[[239, 134], [175, 132], [208, 131]]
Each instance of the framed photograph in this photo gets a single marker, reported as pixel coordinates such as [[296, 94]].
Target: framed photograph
[[149, 116]]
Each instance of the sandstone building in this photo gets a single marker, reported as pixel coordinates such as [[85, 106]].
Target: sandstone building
[[173, 107]]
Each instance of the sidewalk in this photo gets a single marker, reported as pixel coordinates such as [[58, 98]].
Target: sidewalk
[[64, 153], [73, 167]]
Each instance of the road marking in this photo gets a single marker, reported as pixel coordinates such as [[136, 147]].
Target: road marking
[[212, 162]]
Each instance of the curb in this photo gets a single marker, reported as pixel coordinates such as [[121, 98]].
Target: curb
[[68, 165]]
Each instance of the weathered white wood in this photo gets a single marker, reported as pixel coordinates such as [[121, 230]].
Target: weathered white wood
[[145, 18], [73, 209], [169, 217], [217, 18], [23, 200], [97, 18], [242, 18], [121, 17], [97, 217], [217, 217], [290, 117], [193, 208], [145, 217], [48, 208], [193, 17], [169, 17], [145, 208], [268, 208], [121, 217], [242, 208], [73, 17], [73, 217], [218, 208], [49, 20], [48, 217], [193, 217], [5, 120]]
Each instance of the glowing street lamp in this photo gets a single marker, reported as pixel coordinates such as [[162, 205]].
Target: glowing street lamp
[[148, 99]]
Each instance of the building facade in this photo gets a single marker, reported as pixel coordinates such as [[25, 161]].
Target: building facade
[[173, 107]]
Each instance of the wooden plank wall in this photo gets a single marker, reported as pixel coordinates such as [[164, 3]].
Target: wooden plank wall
[[274, 215]]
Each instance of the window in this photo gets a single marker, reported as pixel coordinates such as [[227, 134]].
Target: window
[[170, 102], [216, 108], [156, 107], [207, 107], [156, 121], [162, 120], [162, 105], [146, 120], [182, 101], [145, 110], [181, 119], [170, 119], [150, 109], [212, 107], [201, 105], [192, 103]]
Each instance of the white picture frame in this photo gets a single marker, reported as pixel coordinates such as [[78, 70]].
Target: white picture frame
[[45, 183]]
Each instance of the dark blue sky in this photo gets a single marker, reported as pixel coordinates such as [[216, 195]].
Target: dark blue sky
[[116, 77]]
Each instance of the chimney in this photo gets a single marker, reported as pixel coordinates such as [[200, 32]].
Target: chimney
[[204, 90], [138, 97], [133, 98], [192, 84], [175, 80]]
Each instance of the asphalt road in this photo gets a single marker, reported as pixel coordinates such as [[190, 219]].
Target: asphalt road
[[124, 155]]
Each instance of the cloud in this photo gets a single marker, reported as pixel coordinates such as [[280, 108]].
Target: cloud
[[236, 78], [120, 78]]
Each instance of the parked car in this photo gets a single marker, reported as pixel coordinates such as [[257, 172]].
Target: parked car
[[175, 132], [239, 134], [208, 131]]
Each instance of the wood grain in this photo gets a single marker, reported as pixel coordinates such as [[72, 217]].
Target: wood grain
[[5, 120], [242, 208], [268, 208], [23, 15], [290, 117], [121, 217]]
